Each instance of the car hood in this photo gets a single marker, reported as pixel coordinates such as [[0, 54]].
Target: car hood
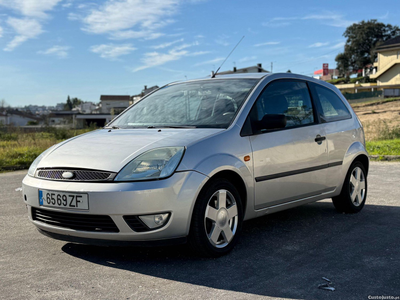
[[111, 150]]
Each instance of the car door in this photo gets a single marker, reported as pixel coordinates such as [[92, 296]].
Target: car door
[[290, 163], [339, 129]]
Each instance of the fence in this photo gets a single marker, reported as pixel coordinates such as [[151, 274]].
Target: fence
[[363, 95]]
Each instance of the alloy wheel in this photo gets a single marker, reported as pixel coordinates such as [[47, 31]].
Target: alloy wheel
[[221, 218], [357, 186]]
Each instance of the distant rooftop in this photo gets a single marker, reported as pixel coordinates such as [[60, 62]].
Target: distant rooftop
[[252, 69], [389, 44], [115, 97]]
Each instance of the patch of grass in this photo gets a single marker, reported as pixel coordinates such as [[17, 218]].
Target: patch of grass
[[381, 130], [384, 147], [18, 150], [374, 102]]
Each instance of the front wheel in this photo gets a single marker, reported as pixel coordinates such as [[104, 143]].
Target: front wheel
[[354, 190], [217, 219]]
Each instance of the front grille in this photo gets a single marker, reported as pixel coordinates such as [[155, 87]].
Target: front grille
[[83, 222], [79, 175], [136, 224]]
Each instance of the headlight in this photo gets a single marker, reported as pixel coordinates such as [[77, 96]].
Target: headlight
[[153, 164], [32, 168]]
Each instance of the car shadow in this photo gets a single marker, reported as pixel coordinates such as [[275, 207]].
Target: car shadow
[[282, 255]]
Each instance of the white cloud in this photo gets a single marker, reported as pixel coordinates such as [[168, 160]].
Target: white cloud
[[30, 8], [111, 51], [331, 19], [247, 58], [338, 45], [267, 44], [197, 53], [74, 17], [165, 45], [123, 19], [318, 44], [279, 22], [223, 40], [131, 34], [59, 51], [34, 12], [384, 17], [153, 59], [184, 46], [1, 32], [210, 62], [25, 29]]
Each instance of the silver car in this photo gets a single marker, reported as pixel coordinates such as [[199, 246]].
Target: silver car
[[191, 161]]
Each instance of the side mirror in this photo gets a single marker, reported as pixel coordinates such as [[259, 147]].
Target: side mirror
[[271, 121]]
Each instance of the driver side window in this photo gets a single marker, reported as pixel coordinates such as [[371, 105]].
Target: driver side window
[[284, 97]]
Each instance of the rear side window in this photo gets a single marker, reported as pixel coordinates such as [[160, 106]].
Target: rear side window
[[286, 97], [331, 106]]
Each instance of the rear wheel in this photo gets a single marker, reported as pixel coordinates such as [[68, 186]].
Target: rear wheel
[[217, 219], [354, 191]]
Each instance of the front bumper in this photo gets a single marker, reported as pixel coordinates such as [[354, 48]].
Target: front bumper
[[176, 195]]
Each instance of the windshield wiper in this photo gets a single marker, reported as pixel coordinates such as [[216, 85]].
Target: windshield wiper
[[183, 126]]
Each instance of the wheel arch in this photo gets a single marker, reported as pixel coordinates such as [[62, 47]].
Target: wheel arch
[[356, 152], [229, 173], [362, 158], [237, 181]]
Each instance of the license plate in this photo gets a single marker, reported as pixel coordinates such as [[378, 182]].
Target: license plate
[[63, 200]]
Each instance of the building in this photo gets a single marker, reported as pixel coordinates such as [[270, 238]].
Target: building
[[62, 117], [252, 69], [17, 118], [114, 103], [387, 66], [145, 91], [86, 108], [332, 73]]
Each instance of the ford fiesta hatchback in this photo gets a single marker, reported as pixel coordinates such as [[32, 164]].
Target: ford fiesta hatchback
[[193, 160]]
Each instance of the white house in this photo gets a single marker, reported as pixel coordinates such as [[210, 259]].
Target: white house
[[17, 118], [117, 103]]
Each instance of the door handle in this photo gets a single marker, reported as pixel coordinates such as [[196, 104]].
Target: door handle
[[319, 139]]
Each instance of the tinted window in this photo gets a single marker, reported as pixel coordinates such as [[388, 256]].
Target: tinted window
[[332, 107], [289, 98]]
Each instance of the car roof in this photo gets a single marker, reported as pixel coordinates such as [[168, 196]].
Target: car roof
[[260, 76]]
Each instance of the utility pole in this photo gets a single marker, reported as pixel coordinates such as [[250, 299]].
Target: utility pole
[[272, 66]]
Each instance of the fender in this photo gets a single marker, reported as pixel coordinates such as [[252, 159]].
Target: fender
[[355, 149], [214, 164]]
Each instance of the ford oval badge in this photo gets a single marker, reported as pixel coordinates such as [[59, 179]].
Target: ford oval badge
[[68, 175]]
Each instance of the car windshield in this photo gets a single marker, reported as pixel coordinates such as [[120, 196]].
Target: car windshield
[[206, 104]]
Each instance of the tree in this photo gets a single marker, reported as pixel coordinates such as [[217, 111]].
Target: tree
[[76, 101], [3, 103], [71, 103], [362, 40], [68, 105]]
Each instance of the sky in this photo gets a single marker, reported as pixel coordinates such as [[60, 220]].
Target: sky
[[50, 49]]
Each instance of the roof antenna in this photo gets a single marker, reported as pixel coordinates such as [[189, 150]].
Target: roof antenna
[[213, 75]]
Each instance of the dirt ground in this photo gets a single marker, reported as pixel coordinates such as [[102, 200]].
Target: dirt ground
[[377, 117]]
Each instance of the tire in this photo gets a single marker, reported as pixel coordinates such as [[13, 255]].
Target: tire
[[216, 223], [354, 191]]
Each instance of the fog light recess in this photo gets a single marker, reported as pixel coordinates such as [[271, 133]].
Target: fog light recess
[[155, 221]]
